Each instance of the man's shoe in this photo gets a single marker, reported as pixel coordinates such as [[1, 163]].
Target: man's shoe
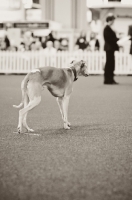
[[108, 83], [115, 83]]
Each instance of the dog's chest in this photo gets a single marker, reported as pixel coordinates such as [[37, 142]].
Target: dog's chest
[[55, 91]]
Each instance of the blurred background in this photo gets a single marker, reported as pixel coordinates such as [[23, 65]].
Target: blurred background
[[93, 160], [62, 25], [28, 21]]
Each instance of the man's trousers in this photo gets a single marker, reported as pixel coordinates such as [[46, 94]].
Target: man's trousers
[[109, 67]]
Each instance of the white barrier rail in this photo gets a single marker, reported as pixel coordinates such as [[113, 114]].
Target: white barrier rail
[[24, 62]]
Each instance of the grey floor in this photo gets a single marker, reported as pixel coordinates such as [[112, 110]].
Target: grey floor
[[92, 161]]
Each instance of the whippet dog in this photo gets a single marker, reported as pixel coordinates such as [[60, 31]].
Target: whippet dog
[[59, 81]]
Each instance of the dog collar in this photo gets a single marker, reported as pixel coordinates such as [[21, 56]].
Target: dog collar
[[75, 73]]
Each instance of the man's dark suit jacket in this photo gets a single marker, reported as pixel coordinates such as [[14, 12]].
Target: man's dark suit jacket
[[131, 46], [110, 39], [130, 34]]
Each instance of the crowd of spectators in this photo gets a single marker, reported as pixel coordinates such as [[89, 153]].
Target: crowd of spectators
[[50, 43], [83, 44]]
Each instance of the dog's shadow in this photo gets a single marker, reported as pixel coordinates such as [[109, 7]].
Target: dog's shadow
[[76, 130]]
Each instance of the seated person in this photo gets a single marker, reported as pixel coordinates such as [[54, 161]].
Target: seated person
[[49, 48]]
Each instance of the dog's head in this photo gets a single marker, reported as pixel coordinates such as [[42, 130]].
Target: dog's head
[[81, 67]]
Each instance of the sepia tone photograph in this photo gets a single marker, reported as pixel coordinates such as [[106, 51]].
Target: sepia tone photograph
[[65, 99]]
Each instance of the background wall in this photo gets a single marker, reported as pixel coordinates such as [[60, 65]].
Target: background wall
[[62, 13], [71, 13]]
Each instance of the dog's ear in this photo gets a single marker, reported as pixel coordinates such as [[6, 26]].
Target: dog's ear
[[83, 63], [72, 62]]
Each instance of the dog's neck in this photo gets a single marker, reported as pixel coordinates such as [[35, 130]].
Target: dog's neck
[[75, 73]]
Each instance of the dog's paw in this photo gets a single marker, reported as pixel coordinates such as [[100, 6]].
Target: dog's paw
[[30, 130], [19, 130], [66, 126], [68, 123]]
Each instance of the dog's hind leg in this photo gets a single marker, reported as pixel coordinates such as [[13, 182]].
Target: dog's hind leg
[[33, 103], [26, 101], [34, 95]]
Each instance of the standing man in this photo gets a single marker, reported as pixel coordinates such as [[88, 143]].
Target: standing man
[[130, 34], [110, 47]]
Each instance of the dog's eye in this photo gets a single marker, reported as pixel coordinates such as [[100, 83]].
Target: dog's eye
[[82, 65]]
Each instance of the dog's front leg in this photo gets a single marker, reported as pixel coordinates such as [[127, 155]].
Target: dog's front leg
[[65, 112], [59, 101]]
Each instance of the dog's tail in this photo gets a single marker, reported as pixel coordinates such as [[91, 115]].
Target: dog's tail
[[23, 88], [18, 106]]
